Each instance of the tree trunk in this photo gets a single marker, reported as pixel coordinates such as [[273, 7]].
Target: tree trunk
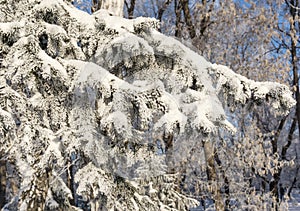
[[130, 9], [276, 136], [188, 18], [71, 183], [212, 174], [162, 9], [178, 9], [289, 139], [168, 140], [205, 17], [293, 50], [275, 184], [96, 5], [226, 181], [2, 183], [37, 194]]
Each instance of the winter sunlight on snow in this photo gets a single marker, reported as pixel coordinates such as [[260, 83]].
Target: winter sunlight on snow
[[99, 112]]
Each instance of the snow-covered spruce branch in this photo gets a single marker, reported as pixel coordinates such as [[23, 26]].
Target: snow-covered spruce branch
[[120, 87]]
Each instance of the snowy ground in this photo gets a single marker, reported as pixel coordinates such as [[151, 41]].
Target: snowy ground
[[294, 203]]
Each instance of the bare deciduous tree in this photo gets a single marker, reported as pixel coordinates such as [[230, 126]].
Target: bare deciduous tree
[[115, 7]]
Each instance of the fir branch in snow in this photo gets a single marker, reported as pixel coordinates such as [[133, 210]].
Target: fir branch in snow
[[117, 103]]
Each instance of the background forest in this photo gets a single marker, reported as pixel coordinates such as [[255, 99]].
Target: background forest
[[257, 39], [99, 112]]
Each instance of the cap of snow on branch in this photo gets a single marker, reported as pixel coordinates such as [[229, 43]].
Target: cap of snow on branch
[[243, 90]]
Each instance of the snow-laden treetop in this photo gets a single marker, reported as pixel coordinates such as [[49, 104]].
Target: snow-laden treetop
[[57, 49], [65, 73]]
